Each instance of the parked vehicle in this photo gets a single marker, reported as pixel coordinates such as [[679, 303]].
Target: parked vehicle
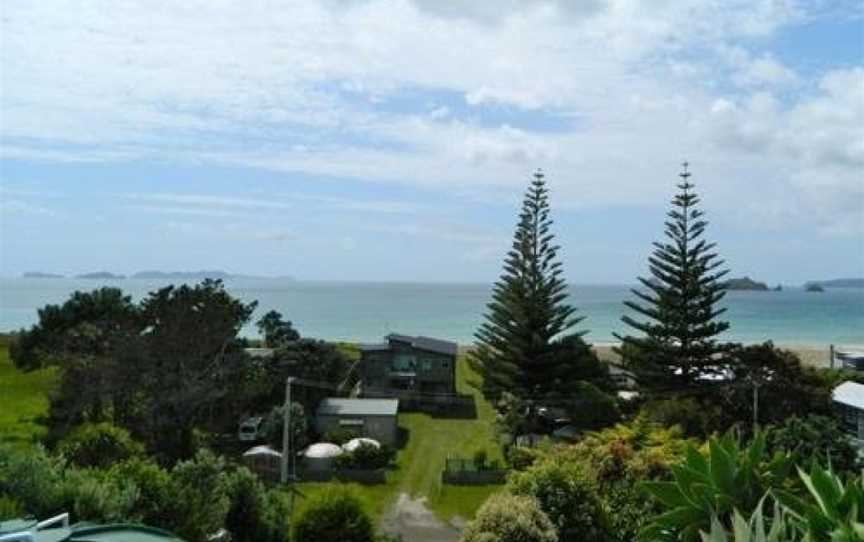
[[250, 429]]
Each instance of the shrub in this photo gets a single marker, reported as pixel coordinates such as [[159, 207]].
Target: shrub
[[340, 435], [34, 479], [831, 510], [755, 529], [367, 456], [255, 514], [10, 508], [521, 457], [334, 516], [199, 495], [99, 445], [510, 518], [696, 417], [814, 438], [567, 496], [155, 490], [713, 484], [92, 495], [480, 458]]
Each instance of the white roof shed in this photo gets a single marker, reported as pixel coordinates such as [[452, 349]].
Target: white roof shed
[[850, 394]]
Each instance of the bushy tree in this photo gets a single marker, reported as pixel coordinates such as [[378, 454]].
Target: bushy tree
[[200, 495], [256, 514], [518, 347], [334, 516], [99, 445], [815, 438], [678, 305], [273, 427], [510, 518], [567, 496], [275, 330]]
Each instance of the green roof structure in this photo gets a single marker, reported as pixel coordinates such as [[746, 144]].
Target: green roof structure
[[58, 530]]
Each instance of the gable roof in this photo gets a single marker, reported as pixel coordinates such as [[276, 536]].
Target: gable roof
[[849, 394], [333, 406], [426, 343]]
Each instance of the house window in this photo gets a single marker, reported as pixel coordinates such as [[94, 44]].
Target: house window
[[404, 363], [351, 423], [427, 365]]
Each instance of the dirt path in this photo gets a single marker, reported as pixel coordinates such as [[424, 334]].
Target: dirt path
[[413, 522]]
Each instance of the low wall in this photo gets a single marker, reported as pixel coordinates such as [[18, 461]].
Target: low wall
[[473, 477]]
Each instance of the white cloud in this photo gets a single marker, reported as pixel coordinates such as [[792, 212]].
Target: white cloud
[[306, 87]]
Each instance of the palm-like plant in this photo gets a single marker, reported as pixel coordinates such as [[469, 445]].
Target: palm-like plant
[[834, 511], [712, 486], [756, 529]]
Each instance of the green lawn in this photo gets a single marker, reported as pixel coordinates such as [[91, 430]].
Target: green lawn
[[430, 441], [23, 400]]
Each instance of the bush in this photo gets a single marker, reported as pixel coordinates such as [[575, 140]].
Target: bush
[[92, 495], [814, 438], [521, 457], [334, 516], [340, 436], [510, 518], [255, 514], [480, 458], [199, 495], [567, 496], [34, 479], [367, 456], [99, 445], [697, 418], [10, 508], [155, 490]]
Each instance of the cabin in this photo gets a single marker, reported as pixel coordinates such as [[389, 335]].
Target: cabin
[[409, 367], [372, 418], [849, 398]]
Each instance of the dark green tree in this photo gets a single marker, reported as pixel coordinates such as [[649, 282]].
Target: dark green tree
[[678, 305], [275, 330], [519, 347]]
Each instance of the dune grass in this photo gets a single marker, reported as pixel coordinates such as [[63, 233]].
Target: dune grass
[[419, 464], [23, 401]]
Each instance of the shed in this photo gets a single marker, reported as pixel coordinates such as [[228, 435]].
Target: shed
[[849, 397], [264, 461], [373, 418]]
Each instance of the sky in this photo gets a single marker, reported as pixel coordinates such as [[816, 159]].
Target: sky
[[393, 140]]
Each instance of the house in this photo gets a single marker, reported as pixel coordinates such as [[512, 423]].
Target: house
[[408, 367], [372, 418], [849, 398]]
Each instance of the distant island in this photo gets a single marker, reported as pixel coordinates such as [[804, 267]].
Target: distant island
[[839, 283], [746, 283], [813, 287], [100, 275], [215, 274], [40, 275]]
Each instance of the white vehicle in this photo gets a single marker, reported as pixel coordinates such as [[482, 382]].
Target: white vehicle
[[250, 429]]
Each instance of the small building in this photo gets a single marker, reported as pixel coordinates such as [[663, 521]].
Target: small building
[[849, 360], [264, 461], [372, 418], [321, 456], [404, 365], [849, 398]]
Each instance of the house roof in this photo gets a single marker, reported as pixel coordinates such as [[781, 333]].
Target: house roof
[[374, 347], [358, 407], [849, 394], [426, 343]]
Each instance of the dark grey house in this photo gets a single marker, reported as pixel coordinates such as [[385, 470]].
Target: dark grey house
[[409, 368]]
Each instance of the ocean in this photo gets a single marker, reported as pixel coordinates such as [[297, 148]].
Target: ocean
[[365, 312]]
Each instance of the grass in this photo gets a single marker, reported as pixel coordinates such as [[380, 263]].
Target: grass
[[24, 401], [419, 464]]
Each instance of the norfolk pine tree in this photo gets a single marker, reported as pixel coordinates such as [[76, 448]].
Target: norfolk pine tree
[[519, 348], [678, 307]]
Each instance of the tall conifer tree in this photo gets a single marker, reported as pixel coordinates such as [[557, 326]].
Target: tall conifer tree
[[678, 305], [520, 347]]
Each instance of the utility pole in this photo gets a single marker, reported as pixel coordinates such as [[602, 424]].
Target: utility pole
[[286, 432]]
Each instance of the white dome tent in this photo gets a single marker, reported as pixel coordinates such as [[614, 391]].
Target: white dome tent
[[355, 443], [320, 456]]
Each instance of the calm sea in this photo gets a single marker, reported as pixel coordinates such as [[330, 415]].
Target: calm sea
[[367, 311]]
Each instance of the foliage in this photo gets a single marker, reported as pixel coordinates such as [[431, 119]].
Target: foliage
[[677, 345], [340, 435], [155, 487], [255, 514], [10, 508], [199, 496], [696, 416], [833, 510], [276, 331], [713, 484], [334, 516], [273, 427], [367, 456], [510, 518], [567, 496], [34, 479], [755, 529], [99, 445], [516, 347], [91, 495], [785, 387], [88, 323], [814, 438]]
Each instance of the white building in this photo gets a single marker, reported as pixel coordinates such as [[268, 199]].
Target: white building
[[849, 397]]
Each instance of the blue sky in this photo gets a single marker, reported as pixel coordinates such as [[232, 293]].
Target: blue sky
[[391, 140]]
